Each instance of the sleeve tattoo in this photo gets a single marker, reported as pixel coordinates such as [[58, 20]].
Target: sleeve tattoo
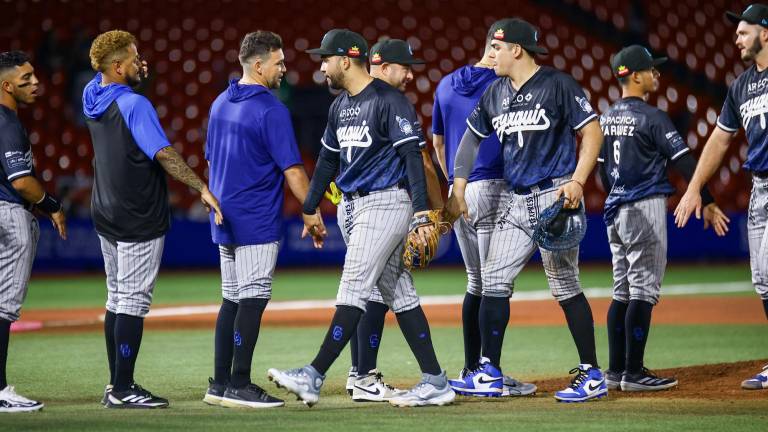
[[174, 165]]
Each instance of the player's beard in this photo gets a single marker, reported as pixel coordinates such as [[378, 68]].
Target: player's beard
[[133, 81], [336, 81], [752, 51]]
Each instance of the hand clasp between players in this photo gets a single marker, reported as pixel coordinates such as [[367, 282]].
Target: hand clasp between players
[[691, 203]]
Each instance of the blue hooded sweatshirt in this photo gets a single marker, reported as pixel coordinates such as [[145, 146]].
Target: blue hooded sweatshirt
[[455, 98], [250, 143]]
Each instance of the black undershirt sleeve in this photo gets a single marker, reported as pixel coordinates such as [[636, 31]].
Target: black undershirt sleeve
[[414, 167], [686, 165], [326, 168]]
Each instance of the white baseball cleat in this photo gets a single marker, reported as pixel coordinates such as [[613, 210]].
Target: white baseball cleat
[[372, 388], [431, 390], [304, 382], [11, 402]]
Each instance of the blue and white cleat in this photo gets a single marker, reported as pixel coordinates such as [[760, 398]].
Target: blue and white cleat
[[757, 382], [485, 381], [589, 383], [304, 382]]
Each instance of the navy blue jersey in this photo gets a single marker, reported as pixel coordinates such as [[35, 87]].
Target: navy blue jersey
[[455, 98], [15, 155], [639, 140], [536, 125], [747, 106], [366, 129]]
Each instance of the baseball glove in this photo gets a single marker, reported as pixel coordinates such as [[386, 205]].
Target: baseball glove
[[560, 228], [417, 255], [334, 195]]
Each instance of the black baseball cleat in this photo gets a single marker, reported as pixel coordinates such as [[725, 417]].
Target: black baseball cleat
[[135, 397], [612, 379], [645, 380], [250, 396], [215, 393]]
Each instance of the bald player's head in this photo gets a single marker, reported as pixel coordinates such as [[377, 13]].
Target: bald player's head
[[18, 82]]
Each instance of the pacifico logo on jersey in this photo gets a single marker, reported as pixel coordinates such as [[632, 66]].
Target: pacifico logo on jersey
[[520, 121], [757, 106], [354, 136]]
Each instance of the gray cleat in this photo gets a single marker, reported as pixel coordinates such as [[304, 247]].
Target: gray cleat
[[513, 387], [612, 379], [304, 382], [431, 390]]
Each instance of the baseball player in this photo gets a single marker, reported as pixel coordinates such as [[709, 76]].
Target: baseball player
[[639, 142], [372, 140], [20, 193], [745, 107], [252, 152], [486, 192], [390, 62], [535, 111], [129, 204]]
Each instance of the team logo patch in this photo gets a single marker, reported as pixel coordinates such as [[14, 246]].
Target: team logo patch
[[405, 125], [337, 333], [125, 350], [238, 339], [373, 340], [622, 71], [584, 104], [498, 34], [376, 59], [353, 52]]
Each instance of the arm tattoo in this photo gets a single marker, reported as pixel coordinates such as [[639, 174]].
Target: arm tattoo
[[174, 165]]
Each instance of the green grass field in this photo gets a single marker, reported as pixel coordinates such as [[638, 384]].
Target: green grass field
[[68, 371], [292, 284]]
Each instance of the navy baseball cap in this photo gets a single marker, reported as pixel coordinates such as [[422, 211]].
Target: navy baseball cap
[[342, 42], [634, 58], [393, 51], [756, 13], [517, 31]]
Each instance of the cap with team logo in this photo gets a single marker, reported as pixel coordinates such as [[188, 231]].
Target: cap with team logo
[[517, 31], [634, 58], [756, 13], [342, 42], [393, 51]]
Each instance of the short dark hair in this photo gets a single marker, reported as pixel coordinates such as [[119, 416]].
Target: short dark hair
[[259, 43], [12, 59]]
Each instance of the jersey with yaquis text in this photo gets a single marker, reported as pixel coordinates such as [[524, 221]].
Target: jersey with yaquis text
[[639, 140], [366, 130], [536, 125], [747, 106]]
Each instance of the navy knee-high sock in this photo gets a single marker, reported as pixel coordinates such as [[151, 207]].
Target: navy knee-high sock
[[109, 337], [369, 333], [246, 333], [582, 327], [128, 332], [223, 347], [617, 342], [470, 320], [5, 335], [413, 323], [638, 322], [765, 306], [342, 326], [354, 353], [494, 317]]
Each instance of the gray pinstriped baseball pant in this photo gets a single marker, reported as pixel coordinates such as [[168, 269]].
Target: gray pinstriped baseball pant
[[19, 233], [757, 234], [247, 270], [638, 240], [131, 269]]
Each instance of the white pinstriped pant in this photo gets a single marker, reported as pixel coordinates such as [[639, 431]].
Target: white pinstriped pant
[[485, 202], [131, 269], [19, 233], [247, 270], [512, 246], [374, 228], [757, 233], [638, 240]]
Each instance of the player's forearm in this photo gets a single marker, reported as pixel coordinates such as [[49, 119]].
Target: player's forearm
[[434, 192], [298, 182], [33, 192], [686, 166], [711, 158], [414, 168], [438, 142], [591, 140], [175, 166], [327, 166], [466, 155]]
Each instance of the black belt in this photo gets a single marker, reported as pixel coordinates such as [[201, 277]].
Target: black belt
[[538, 187], [361, 193]]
